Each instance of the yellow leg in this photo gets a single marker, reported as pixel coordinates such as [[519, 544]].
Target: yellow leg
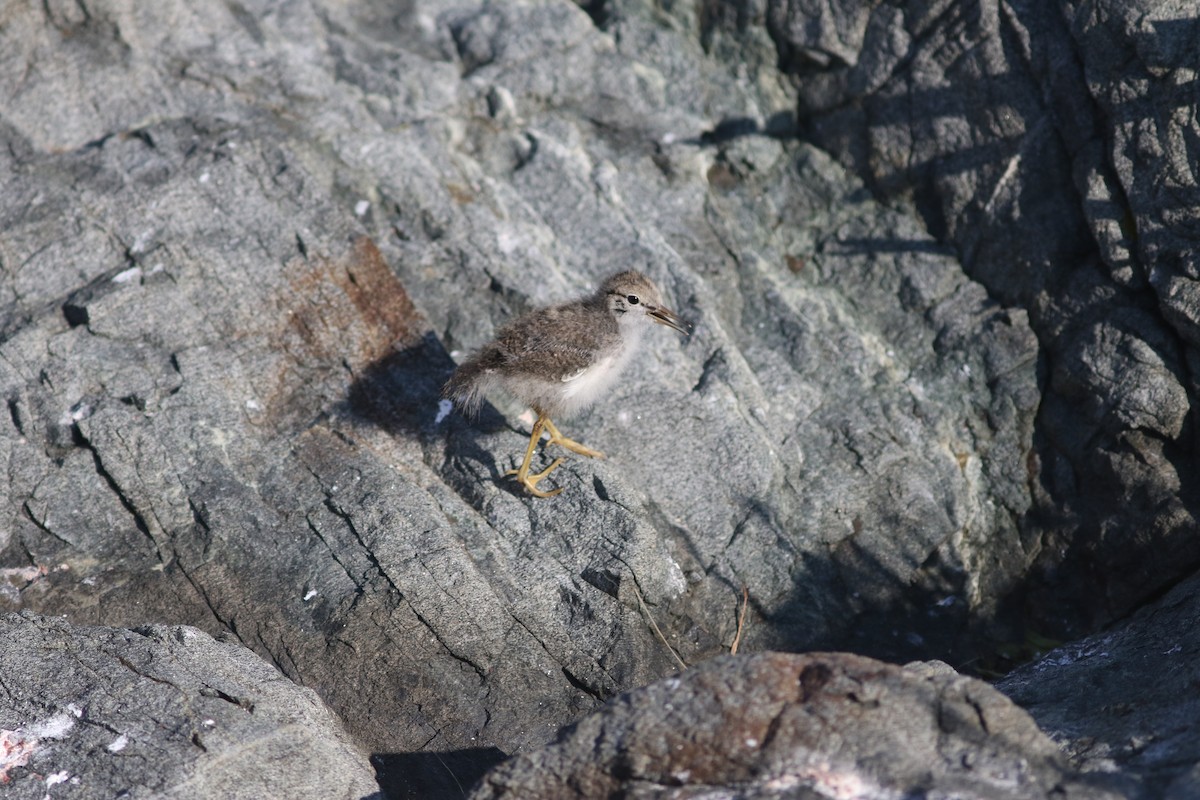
[[530, 482], [572, 445]]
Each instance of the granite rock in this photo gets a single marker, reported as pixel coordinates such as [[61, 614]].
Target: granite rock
[[776, 725], [1124, 701], [242, 246], [1046, 144], [229, 312], [161, 711]]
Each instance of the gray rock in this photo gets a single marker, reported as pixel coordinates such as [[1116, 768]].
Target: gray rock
[[1124, 701], [774, 725], [1185, 786], [1043, 142], [161, 711], [242, 245], [224, 405]]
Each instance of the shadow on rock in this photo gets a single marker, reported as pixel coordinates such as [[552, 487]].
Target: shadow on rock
[[886, 614], [402, 393], [414, 776]]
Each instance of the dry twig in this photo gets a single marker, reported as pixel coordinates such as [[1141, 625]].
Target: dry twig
[[741, 622], [654, 625]]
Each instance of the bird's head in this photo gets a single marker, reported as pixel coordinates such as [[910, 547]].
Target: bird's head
[[633, 299]]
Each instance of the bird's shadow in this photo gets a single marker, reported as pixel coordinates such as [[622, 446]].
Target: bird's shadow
[[401, 394]]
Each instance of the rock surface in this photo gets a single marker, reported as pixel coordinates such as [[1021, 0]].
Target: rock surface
[[1125, 700], [242, 245], [162, 711], [800, 726], [1049, 145]]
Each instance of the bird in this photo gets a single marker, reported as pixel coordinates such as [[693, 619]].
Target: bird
[[561, 359]]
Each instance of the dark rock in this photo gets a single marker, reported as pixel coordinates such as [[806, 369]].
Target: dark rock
[[1125, 700], [164, 711], [800, 726], [1042, 142]]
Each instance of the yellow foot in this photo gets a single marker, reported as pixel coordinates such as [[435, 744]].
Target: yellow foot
[[530, 482], [557, 438]]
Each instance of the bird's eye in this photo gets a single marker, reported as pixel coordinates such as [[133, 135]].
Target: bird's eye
[[633, 299]]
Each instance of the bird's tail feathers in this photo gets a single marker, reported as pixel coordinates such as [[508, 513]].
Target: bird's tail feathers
[[465, 388]]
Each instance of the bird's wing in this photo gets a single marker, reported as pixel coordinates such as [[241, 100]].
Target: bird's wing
[[562, 345]]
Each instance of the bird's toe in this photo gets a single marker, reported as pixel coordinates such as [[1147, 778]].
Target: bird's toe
[[530, 482]]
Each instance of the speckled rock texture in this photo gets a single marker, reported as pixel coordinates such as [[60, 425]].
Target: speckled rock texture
[[818, 725], [1124, 700], [938, 395], [161, 711], [1053, 146]]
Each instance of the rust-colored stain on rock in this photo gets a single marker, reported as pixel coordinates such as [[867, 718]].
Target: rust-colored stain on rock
[[351, 308], [380, 298], [338, 314]]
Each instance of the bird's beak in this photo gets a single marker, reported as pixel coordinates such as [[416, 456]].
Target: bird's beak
[[665, 316]]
